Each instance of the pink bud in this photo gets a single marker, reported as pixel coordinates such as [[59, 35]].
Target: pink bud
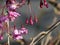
[[30, 20], [35, 19], [41, 4], [23, 30], [19, 38], [45, 3], [26, 21], [12, 4], [18, 34]]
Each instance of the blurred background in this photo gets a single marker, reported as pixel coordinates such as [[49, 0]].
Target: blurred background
[[46, 17]]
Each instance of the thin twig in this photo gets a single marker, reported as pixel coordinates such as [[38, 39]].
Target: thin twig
[[41, 37], [48, 32]]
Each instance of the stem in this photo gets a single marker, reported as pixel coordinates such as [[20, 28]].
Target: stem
[[40, 36], [3, 10], [8, 32], [49, 37], [58, 23], [57, 42]]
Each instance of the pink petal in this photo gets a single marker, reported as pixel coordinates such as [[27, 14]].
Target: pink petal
[[14, 13], [13, 6], [16, 31], [12, 18], [24, 31], [19, 37]]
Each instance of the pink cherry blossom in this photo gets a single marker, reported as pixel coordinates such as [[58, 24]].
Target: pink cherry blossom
[[16, 32], [13, 15], [12, 4], [23, 30], [17, 35]]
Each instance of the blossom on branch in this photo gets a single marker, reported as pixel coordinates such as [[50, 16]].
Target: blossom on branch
[[23, 30], [12, 4], [18, 34], [13, 15]]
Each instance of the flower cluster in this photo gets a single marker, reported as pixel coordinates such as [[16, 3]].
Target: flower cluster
[[12, 14], [17, 34], [12, 5]]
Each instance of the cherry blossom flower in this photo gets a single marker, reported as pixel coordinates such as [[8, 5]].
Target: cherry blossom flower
[[12, 4], [13, 15], [17, 35], [23, 30]]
